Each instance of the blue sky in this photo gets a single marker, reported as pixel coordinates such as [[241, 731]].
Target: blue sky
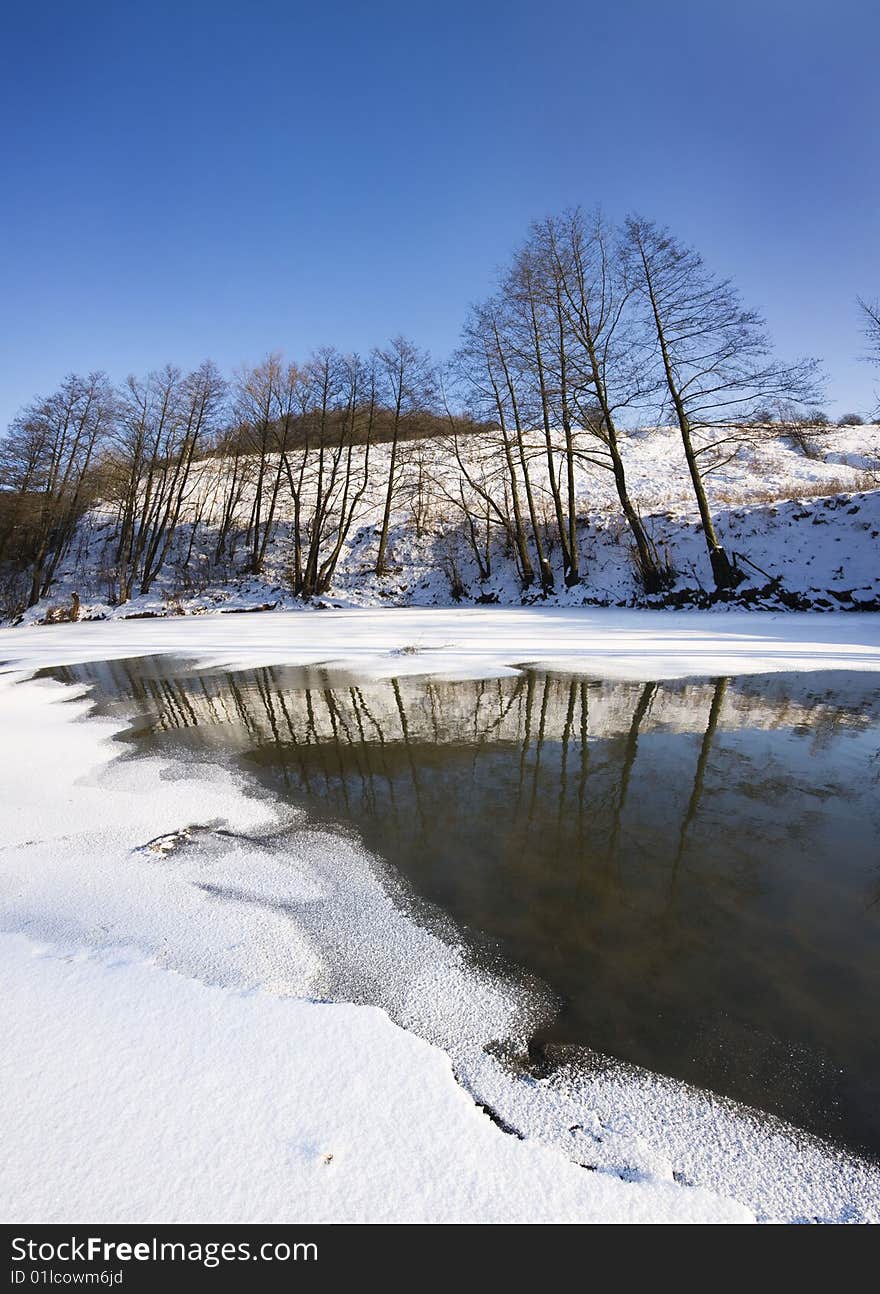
[[221, 179]]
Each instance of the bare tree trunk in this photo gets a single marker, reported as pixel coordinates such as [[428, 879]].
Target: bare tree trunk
[[548, 435], [572, 575], [547, 581], [724, 572], [389, 494], [527, 571]]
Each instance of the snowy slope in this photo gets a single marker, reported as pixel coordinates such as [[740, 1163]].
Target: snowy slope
[[812, 524]]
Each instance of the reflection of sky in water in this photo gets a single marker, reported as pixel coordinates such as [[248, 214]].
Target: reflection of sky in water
[[692, 867]]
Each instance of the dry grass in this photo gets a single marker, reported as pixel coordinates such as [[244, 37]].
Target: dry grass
[[61, 613], [858, 483]]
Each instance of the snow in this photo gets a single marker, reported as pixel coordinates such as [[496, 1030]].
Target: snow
[[169, 1049], [158, 1069], [139, 1095], [811, 522], [475, 641]]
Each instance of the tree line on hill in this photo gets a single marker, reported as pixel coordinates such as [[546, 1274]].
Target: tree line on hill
[[590, 327]]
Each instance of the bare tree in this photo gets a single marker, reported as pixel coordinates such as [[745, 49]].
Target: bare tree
[[142, 434], [871, 320], [407, 380], [47, 463], [480, 494], [569, 364], [337, 417], [488, 365], [322, 380], [529, 304], [230, 453], [199, 404], [165, 421], [265, 405], [356, 427], [715, 357], [601, 372]]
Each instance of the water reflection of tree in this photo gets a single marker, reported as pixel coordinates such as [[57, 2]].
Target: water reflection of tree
[[630, 843], [693, 806], [397, 749]]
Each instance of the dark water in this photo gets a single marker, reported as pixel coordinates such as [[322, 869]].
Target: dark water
[[693, 867]]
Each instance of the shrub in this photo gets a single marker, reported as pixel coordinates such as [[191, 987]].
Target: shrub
[[659, 575], [61, 614]]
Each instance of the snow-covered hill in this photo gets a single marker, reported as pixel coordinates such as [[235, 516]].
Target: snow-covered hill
[[805, 529]]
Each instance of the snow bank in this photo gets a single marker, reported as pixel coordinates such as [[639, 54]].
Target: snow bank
[[136, 1093], [475, 641]]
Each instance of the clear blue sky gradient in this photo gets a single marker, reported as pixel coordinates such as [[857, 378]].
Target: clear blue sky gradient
[[221, 179]]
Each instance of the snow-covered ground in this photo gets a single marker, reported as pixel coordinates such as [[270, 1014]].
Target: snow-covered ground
[[810, 523], [475, 641], [157, 1063], [140, 1095], [168, 1053]]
